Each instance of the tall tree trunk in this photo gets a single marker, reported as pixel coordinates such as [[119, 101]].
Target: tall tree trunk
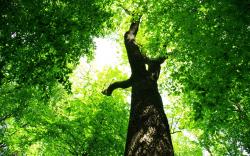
[[148, 130]]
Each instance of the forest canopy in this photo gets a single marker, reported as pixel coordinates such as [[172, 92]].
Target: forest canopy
[[51, 102]]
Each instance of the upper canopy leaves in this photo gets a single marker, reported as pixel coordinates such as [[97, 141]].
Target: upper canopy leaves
[[42, 40]]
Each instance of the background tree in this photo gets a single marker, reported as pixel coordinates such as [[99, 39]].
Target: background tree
[[40, 43]]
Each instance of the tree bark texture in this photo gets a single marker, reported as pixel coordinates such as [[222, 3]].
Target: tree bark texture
[[148, 131]]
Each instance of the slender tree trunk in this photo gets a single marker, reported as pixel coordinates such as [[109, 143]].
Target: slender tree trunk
[[148, 130]]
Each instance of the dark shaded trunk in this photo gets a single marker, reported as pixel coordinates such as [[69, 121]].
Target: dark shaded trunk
[[148, 130]]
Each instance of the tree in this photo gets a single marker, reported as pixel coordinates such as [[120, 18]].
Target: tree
[[148, 130], [207, 71]]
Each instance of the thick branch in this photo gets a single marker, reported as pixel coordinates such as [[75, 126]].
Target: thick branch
[[134, 28], [115, 85]]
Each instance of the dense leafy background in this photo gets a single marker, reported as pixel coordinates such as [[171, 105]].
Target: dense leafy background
[[42, 40], [204, 82]]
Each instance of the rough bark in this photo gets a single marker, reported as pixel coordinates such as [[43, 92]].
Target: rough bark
[[148, 130]]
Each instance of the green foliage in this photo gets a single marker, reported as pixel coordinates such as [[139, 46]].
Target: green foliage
[[184, 140], [85, 123], [41, 40], [206, 74], [210, 60], [184, 146]]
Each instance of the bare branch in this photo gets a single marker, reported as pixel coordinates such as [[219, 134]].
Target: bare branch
[[119, 84]]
